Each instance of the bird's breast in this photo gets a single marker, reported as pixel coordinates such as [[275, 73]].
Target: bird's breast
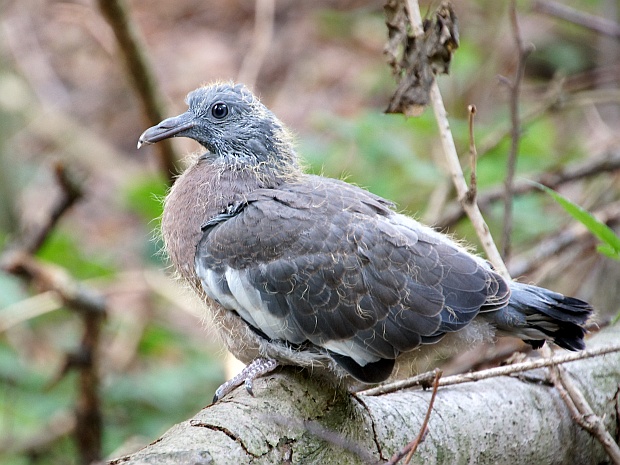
[[201, 193]]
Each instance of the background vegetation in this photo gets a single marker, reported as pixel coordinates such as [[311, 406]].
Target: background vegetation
[[66, 100]]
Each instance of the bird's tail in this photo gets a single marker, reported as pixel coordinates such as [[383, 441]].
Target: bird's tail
[[535, 315]]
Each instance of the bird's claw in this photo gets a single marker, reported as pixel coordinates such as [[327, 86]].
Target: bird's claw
[[249, 385], [258, 367]]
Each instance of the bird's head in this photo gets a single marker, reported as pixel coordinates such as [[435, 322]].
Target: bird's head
[[232, 124]]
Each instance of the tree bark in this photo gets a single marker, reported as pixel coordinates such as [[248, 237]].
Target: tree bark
[[295, 418]]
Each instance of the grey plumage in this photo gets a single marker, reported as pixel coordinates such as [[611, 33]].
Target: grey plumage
[[309, 270]]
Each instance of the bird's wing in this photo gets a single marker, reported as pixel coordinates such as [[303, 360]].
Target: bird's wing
[[327, 262]]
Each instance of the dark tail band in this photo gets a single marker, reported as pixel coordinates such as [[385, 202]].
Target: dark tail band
[[535, 314]]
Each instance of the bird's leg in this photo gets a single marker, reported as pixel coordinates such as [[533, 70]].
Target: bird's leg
[[258, 367]]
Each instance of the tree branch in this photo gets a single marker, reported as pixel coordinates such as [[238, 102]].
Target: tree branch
[[359, 429], [71, 192], [595, 23], [140, 74], [91, 307], [514, 86]]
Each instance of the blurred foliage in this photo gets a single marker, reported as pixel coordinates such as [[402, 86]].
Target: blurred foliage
[[376, 151], [63, 248], [64, 95]]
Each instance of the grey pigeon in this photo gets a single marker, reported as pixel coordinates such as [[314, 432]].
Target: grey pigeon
[[310, 271]]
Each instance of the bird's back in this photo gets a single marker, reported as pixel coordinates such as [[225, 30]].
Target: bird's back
[[321, 261]]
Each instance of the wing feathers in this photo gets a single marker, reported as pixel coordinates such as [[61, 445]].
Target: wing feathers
[[326, 262]]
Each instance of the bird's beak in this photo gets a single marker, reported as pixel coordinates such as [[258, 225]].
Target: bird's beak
[[169, 127]]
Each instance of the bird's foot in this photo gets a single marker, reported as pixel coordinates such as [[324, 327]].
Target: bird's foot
[[258, 367]]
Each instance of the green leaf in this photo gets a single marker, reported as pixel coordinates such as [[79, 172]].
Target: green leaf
[[611, 242], [607, 250]]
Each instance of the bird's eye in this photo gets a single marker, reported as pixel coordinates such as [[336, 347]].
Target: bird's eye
[[219, 110]]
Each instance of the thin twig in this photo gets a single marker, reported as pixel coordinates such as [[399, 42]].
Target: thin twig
[[592, 78], [89, 418], [472, 192], [452, 159], [583, 414], [410, 448], [415, 18], [418, 380], [494, 372], [553, 97], [595, 23], [140, 74], [557, 98], [608, 162], [71, 192], [413, 446], [515, 89], [263, 34]]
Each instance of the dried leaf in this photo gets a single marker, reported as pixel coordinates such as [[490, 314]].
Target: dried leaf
[[416, 60]]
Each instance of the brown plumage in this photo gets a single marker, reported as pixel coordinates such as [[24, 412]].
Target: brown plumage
[[312, 271]]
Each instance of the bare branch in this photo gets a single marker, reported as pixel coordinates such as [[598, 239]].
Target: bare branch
[[141, 76], [515, 89], [48, 277], [236, 431], [71, 193], [472, 192], [27, 309], [595, 23], [263, 34]]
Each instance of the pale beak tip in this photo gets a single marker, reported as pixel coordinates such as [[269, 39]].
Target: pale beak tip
[[142, 141]]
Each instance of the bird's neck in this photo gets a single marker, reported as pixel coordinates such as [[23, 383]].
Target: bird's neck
[[201, 192], [258, 174]]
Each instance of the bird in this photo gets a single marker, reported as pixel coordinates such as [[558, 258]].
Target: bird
[[310, 271]]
